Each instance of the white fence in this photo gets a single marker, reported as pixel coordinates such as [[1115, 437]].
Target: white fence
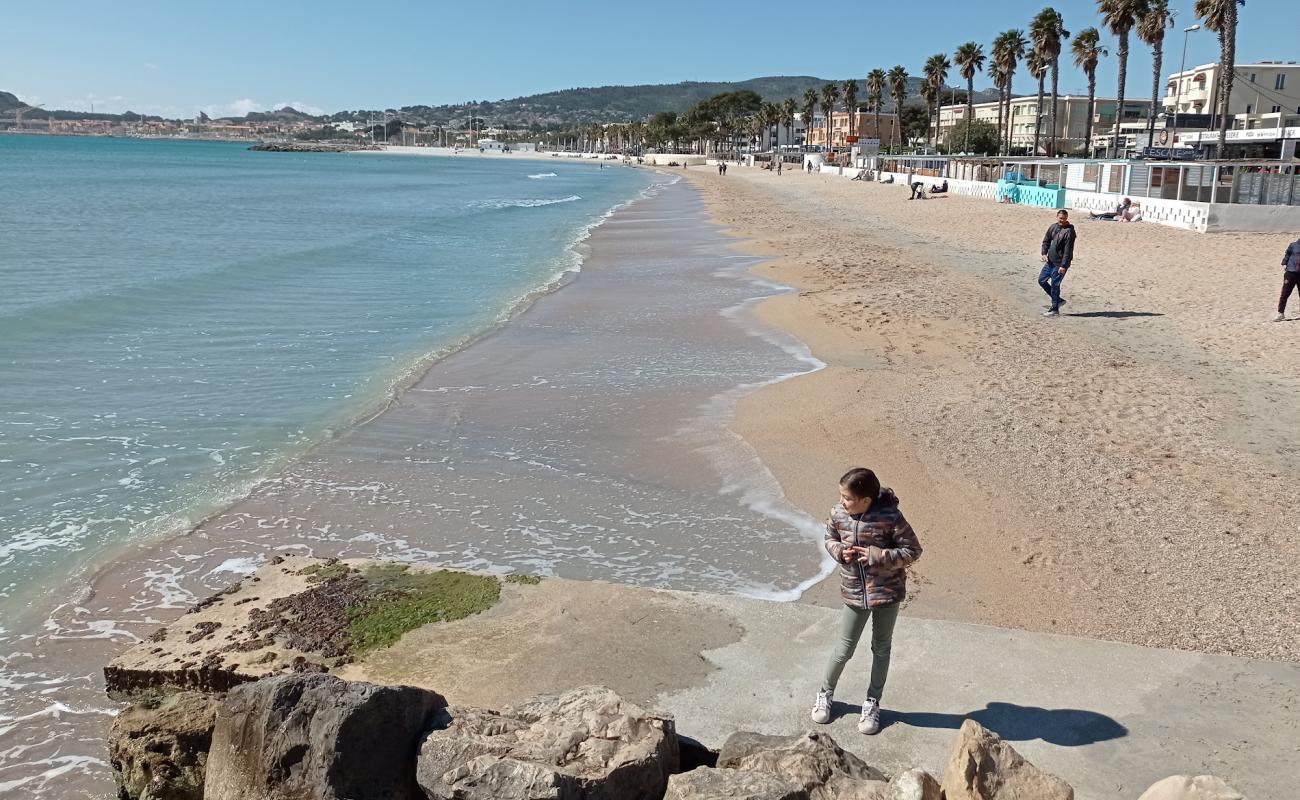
[[1184, 214]]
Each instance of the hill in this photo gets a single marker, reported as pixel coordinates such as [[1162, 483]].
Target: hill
[[616, 103], [585, 105], [8, 102]]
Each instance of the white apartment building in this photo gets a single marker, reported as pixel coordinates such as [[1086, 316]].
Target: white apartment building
[[1268, 87], [1071, 118]]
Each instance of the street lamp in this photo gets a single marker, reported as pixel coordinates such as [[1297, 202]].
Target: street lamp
[[1182, 67]]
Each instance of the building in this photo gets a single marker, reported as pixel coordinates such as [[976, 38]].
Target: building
[[1071, 119], [1265, 103], [1267, 87], [792, 139], [864, 127]]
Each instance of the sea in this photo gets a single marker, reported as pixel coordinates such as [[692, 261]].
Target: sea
[[209, 354]]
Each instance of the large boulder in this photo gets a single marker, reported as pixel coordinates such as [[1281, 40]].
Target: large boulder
[[316, 736], [1185, 787], [915, 784], [732, 784], [159, 746], [813, 760], [586, 744], [983, 767]]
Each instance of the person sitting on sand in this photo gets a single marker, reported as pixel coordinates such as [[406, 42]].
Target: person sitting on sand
[[1290, 277], [1120, 212], [874, 545], [890, 179], [941, 188], [1058, 252]]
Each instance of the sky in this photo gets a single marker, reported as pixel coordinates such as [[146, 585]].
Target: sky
[[227, 58]]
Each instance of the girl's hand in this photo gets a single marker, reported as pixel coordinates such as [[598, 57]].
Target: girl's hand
[[848, 553], [870, 555]]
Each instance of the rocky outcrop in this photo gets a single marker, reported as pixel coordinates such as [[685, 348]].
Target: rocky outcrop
[[983, 767], [586, 743], [812, 760], [315, 736], [1185, 787], [295, 615], [915, 784], [312, 147], [732, 784], [159, 747]]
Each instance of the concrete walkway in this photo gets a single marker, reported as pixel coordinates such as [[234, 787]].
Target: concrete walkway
[[1111, 719]]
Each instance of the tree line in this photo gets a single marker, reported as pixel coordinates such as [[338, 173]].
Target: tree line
[[1038, 47]]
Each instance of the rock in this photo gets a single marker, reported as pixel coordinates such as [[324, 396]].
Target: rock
[[915, 784], [159, 747], [811, 759], [983, 767], [1185, 787], [315, 736], [732, 784], [586, 744]]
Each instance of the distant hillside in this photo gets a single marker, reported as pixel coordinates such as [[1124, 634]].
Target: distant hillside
[[286, 114], [618, 103], [9, 102], [567, 107]]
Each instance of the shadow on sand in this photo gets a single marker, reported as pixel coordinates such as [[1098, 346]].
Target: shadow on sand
[[1115, 314]]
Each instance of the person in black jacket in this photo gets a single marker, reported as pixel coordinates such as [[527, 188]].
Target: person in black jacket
[[1290, 277], [1058, 252]]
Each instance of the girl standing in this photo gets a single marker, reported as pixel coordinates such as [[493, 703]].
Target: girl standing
[[874, 544]]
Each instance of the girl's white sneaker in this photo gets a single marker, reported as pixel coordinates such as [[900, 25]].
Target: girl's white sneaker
[[869, 722], [821, 712]]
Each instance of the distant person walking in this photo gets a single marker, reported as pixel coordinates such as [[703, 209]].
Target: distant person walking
[[1290, 277], [874, 545], [1058, 252]]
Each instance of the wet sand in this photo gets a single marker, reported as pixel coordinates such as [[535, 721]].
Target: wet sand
[[587, 438], [1126, 471]]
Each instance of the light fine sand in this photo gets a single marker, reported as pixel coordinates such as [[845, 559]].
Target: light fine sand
[[1127, 471]]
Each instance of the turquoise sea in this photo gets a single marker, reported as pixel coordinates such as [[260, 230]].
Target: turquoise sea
[[210, 355], [179, 318]]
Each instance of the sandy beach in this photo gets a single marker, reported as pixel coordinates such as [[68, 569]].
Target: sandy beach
[[1126, 471]]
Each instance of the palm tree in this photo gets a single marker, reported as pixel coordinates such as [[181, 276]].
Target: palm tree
[[787, 118], [897, 79], [1008, 48], [1048, 32], [970, 60], [1087, 51], [928, 95], [770, 116], [808, 109], [830, 94], [1037, 66], [936, 75], [999, 83], [1151, 28], [850, 91], [1120, 16], [1221, 17], [876, 80]]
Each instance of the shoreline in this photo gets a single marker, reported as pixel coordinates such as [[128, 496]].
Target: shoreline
[[932, 377], [402, 484], [84, 580]]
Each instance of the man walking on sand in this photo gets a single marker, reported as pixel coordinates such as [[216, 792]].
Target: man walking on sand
[[1290, 278], [1058, 252]]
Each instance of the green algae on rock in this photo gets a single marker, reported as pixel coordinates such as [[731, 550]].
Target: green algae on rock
[[404, 600]]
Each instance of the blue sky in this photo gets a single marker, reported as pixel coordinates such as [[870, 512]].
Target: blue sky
[[173, 58]]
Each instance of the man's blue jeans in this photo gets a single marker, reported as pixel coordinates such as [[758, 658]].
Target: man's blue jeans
[[1050, 279]]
